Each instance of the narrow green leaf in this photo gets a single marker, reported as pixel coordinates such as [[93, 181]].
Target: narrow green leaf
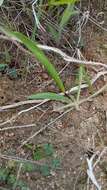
[[50, 96], [32, 46], [66, 15], [68, 12], [80, 73], [88, 81], [62, 2], [53, 32], [7, 56]]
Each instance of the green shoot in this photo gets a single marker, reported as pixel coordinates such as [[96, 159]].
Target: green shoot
[[32, 46]]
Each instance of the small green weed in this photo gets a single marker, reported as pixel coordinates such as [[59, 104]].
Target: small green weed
[[8, 177], [41, 152]]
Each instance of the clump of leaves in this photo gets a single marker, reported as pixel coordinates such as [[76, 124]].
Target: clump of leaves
[[44, 169], [45, 151], [8, 177], [3, 174]]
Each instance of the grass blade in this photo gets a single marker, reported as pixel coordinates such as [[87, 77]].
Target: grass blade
[[88, 81], [62, 2], [66, 15], [80, 73], [68, 12]]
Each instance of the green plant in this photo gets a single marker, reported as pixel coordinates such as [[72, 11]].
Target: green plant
[[8, 177], [66, 15], [32, 46], [42, 152], [80, 78], [61, 2], [63, 19], [50, 96], [83, 76]]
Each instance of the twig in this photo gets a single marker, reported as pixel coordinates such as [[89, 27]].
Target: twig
[[100, 156], [58, 51], [39, 26], [21, 103], [71, 59], [21, 112], [90, 18], [17, 127], [92, 165], [18, 159], [90, 172]]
